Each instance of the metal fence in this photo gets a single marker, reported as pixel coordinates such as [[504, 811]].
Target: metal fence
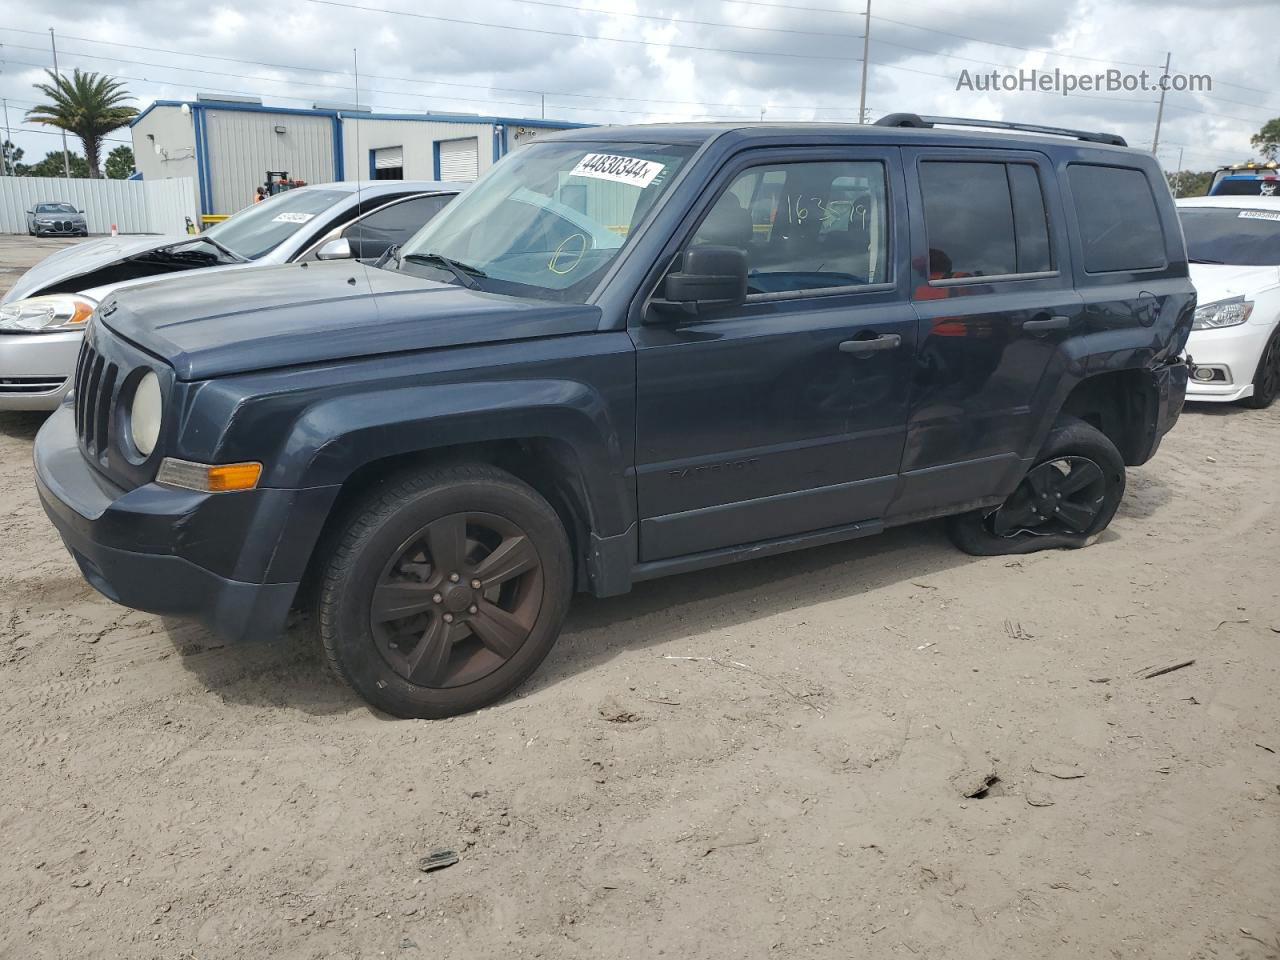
[[134, 206]]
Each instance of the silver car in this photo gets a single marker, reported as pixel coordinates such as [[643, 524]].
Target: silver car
[[42, 317], [57, 219]]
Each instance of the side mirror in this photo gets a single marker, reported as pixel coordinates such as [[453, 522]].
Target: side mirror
[[339, 249], [706, 278]]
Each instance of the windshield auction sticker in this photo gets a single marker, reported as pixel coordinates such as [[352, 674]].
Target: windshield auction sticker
[[294, 217], [1259, 215], [608, 166]]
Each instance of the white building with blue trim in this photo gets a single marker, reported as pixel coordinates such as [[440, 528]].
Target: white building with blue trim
[[227, 145]]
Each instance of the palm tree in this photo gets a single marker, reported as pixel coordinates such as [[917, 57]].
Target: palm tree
[[88, 105]]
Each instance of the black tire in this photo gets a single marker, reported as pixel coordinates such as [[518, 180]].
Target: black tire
[[1266, 379], [394, 646], [1065, 500]]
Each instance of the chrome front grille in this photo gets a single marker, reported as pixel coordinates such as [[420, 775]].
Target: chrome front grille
[[95, 385]]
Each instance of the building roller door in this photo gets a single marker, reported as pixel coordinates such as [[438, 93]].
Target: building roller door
[[459, 159], [388, 163]]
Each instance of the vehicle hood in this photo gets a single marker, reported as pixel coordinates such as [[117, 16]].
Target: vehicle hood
[[84, 258], [1214, 281], [294, 314]]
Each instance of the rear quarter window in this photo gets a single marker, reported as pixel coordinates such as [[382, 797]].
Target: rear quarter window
[[1119, 222]]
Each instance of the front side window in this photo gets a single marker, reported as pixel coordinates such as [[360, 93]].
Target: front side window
[[1119, 223], [257, 230], [374, 234], [549, 219], [805, 226], [1242, 237]]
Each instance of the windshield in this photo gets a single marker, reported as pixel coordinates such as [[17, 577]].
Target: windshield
[[257, 230], [55, 208], [1247, 238], [548, 220]]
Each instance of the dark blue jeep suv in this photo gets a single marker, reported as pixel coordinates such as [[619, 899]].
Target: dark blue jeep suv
[[626, 353]]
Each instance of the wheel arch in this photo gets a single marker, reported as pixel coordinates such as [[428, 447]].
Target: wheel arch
[[1122, 403]]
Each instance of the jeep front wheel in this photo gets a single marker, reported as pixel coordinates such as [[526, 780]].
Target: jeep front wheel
[[444, 591]]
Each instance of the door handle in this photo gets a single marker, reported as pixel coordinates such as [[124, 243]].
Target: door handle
[[1046, 324], [864, 348]]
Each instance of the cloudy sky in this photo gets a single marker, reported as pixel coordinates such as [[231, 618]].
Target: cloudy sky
[[619, 61]]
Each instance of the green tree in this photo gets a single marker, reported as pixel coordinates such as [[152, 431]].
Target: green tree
[[51, 166], [1267, 140], [10, 157], [119, 165], [88, 105], [1188, 183]]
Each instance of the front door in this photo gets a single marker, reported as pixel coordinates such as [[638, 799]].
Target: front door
[[786, 414]]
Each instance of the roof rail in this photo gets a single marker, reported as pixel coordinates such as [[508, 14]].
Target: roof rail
[[915, 120]]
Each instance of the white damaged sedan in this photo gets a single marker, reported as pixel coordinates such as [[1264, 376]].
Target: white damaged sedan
[[1233, 244], [42, 317]]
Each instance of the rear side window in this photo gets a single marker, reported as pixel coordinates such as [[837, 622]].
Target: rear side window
[[984, 219], [1119, 223]]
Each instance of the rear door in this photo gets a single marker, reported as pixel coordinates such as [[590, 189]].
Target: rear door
[[994, 296], [761, 421]]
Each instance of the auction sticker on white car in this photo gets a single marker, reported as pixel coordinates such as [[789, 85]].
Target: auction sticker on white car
[[608, 166], [1259, 215], [294, 217]]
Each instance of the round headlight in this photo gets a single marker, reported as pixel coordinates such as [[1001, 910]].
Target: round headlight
[[144, 414]]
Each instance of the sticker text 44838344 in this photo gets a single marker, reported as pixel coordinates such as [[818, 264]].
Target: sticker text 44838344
[[619, 169]]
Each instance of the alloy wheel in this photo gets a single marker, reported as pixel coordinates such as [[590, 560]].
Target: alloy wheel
[[1058, 496], [457, 600]]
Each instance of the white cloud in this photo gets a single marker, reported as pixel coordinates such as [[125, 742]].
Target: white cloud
[[403, 58]]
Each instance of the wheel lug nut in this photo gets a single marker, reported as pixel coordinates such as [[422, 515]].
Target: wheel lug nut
[[476, 584], [473, 609], [454, 577], [448, 618], [437, 599]]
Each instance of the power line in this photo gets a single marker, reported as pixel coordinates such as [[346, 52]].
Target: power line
[[1012, 46], [55, 133], [699, 23], [581, 36], [425, 80]]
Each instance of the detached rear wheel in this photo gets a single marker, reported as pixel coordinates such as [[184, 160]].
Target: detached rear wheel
[[446, 589], [1066, 499]]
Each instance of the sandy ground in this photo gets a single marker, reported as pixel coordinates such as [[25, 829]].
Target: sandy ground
[[796, 791]]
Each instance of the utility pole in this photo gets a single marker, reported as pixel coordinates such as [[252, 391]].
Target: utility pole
[[544, 105], [5, 156], [866, 49], [1155, 140], [66, 161]]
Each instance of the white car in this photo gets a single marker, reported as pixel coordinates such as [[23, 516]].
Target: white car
[[42, 316], [1233, 244]]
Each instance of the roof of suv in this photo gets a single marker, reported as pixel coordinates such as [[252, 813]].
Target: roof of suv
[[770, 132], [1239, 202]]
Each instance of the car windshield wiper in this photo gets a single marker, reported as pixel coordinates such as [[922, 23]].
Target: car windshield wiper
[[465, 273], [1204, 260]]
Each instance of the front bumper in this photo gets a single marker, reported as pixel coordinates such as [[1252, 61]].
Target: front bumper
[[1235, 351], [60, 229], [127, 543], [36, 368]]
